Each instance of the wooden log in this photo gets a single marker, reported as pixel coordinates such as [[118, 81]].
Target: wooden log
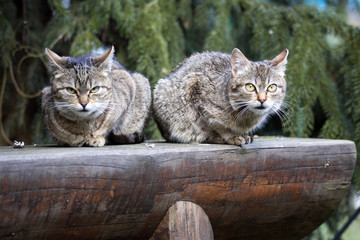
[[274, 188], [184, 221]]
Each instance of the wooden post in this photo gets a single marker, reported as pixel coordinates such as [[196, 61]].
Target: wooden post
[[184, 221], [274, 188]]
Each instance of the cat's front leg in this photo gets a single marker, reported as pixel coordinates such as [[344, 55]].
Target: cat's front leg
[[98, 141]]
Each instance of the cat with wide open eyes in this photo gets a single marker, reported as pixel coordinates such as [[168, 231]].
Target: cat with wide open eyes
[[215, 97], [93, 100]]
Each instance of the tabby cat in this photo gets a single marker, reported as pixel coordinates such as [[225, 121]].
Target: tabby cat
[[94, 100], [215, 97]]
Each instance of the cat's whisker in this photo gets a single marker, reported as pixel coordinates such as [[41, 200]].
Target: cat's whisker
[[289, 102], [238, 101], [242, 112], [58, 105], [286, 109], [237, 104], [238, 108], [240, 104], [280, 117], [282, 114]]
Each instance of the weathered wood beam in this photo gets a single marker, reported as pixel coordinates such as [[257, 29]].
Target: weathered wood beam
[[275, 188], [184, 221]]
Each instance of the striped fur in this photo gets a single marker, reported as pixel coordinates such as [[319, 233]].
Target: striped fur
[[205, 99], [93, 100]]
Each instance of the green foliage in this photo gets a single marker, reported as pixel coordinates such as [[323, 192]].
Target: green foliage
[[350, 87], [222, 27]]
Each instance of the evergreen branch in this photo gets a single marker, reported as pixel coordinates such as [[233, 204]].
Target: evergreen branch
[[2, 91], [21, 93]]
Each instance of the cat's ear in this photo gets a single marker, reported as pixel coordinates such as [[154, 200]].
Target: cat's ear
[[104, 60], [280, 60], [238, 62], [55, 60]]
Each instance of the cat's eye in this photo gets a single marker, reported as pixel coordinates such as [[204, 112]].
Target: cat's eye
[[95, 89], [272, 88], [250, 87], [70, 90]]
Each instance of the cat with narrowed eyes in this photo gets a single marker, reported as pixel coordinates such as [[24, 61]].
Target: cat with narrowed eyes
[[93, 100], [214, 97]]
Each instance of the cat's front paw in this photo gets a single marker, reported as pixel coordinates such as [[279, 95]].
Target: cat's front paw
[[215, 139], [239, 140], [96, 141]]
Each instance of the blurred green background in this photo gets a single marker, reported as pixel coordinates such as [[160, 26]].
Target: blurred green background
[[152, 37]]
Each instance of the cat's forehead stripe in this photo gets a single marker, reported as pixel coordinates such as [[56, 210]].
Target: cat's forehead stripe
[[82, 74], [262, 71]]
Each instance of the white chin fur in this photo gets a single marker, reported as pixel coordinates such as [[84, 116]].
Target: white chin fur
[[261, 111], [87, 114], [79, 114]]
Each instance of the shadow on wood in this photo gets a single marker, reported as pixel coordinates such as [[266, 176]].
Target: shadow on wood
[[275, 188], [184, 221]]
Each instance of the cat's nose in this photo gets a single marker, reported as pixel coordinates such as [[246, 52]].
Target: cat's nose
[[261, 100], [84, 103]]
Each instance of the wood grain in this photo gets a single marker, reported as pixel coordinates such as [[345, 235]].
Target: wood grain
[[184, 221], [274, 188]]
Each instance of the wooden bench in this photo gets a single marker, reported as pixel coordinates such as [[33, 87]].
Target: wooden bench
[[274, 188]]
